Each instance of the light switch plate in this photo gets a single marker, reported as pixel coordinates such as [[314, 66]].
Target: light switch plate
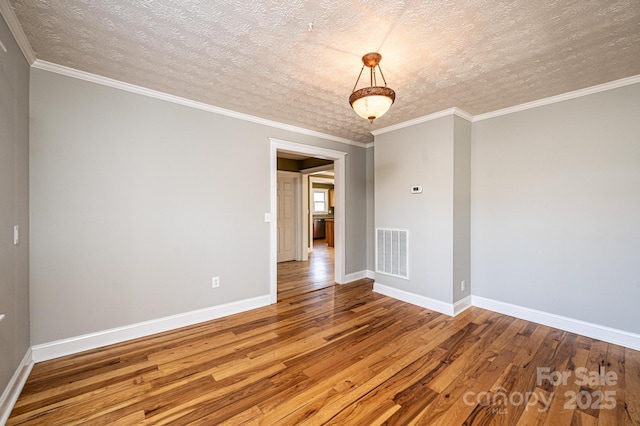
[[416, 189], [16, 235]]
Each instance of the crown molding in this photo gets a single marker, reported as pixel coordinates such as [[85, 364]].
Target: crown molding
[[16, 29], [444, 113], [534, 104], [559, 98], [116, 84], [462, 114]]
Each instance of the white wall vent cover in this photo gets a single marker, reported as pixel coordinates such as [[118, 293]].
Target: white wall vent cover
[[392, 252]]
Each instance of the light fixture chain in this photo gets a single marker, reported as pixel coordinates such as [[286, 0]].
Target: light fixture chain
[[359, 75], [382, 75]]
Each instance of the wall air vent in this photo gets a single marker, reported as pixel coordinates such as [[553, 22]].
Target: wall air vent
[[392, 252]]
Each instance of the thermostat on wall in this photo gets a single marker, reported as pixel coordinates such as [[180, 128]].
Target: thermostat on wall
[[417, 189]]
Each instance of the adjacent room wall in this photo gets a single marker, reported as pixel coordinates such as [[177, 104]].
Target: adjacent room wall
[[556, 208], [137, 202], [14, 206]]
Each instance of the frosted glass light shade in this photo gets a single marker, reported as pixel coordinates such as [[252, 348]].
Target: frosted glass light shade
[[372, 106], [372, 102]]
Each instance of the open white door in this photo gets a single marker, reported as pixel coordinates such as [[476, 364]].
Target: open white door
[[286, 218]]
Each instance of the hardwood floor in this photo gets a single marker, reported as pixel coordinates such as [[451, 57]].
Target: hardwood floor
[[346, 356], [295, 278]]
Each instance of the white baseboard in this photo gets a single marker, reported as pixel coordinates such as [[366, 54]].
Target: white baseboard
[[595, 331], [85, 342], [462, 305], [14, 387], [355, 276], [415, 299]]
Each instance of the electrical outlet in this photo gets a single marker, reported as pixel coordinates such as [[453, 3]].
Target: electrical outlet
[[463, 286], [215, 282]]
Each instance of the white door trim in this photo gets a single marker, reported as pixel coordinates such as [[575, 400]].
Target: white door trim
[[338, 158], [305, 246]]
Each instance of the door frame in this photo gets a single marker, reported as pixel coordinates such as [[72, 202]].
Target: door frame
[[338, 158]]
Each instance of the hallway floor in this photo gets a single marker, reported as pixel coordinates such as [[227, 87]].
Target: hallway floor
[[302, 277]]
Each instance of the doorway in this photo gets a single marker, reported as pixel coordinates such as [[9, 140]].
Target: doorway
[[315, 270], [338, 158]]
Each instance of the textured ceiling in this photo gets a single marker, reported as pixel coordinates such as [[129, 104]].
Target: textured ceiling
[[261, 58]]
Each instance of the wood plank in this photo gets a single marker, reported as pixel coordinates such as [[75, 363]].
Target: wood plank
[[631, 395], [558, 414], [295, 278], [341, 355]]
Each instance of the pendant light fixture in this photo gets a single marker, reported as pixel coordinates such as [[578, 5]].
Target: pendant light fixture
[[373, 101]]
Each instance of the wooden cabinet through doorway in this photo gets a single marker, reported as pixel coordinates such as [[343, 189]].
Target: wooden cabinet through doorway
[[328, 226]]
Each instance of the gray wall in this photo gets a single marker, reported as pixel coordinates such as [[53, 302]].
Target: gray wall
[[461, 208], [419, 155], [356, 203], [556, 208], [14, 206], [136, 203], [370, 222]]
